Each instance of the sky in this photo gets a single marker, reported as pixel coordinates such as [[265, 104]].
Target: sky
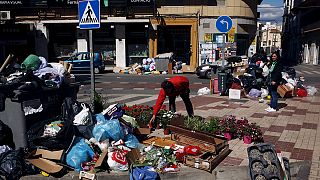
[[271, 10]]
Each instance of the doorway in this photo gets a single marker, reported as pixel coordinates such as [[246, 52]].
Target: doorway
[[176, 39]]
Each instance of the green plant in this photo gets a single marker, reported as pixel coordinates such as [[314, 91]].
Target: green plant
[[164, 118], [212, 126]]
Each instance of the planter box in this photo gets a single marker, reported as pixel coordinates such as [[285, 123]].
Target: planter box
[[207, 161], [207, 142]]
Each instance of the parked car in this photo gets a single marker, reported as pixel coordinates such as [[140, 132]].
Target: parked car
[[81, 62], [204, 71]]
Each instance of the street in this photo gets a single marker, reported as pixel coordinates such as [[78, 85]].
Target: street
[[143, 89]]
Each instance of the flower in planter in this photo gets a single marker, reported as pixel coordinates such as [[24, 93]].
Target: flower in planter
[[164, 117], [141, 113], [228, 125]]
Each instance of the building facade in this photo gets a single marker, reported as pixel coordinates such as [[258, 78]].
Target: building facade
[[130, 30], [301, 31], [270, 37]]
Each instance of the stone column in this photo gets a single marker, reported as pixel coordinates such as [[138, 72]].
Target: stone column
[[120, 46]]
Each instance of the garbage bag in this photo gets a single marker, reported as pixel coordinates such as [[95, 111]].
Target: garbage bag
[[144, 173], [79, 153], [264, 93], [62, 140], [203, 91], [117, 160], [70, 108], [301, 92], [108, 130], [130, 120], [6, 136], [311, 90], [32, 62], [131, 141], [12, 164], [255, 93]]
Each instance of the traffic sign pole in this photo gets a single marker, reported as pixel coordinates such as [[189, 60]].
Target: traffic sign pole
[[223, 48], [89, 18], [92, 69]]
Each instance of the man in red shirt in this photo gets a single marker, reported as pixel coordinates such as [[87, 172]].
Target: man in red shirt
[[175, 86]]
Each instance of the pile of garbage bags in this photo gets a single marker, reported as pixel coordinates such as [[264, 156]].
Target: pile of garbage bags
[[82, 141], [254, 81]]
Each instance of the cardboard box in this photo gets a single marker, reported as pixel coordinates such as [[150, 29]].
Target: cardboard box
[[283, 90], [186, 68], [143, 131], [234, 93], [47, 161]]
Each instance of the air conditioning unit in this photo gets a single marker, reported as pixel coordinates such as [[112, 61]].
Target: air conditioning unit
[[4, 15]]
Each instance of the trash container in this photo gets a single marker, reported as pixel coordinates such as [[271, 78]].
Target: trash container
[[24, 109], [222, 81]]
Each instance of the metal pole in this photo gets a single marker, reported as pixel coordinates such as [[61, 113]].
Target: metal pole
[[91, 69], [223, 47]]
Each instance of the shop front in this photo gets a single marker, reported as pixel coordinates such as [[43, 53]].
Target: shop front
[[177, 35]]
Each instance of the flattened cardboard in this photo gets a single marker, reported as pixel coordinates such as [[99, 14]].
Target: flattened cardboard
[[42, 159], [102, 157], [160, 142], [54, 155], [46, 165]]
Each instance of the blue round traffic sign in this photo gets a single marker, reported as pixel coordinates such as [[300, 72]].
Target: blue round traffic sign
[[224, 24]]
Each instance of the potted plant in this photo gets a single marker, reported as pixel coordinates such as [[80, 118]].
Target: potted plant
[[228, 127]]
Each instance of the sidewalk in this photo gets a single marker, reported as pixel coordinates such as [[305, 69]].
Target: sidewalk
[[294, 129]]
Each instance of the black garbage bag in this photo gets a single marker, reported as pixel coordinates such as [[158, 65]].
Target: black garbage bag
[[62, 140], [70, 108], [12, 164], [6, 136], [291, 72]]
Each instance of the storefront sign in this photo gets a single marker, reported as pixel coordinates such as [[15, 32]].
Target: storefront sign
[[140, 2], [231, 34], [207, 37], [11, 3]]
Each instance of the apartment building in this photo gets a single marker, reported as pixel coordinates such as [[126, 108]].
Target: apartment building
[[130, 30]]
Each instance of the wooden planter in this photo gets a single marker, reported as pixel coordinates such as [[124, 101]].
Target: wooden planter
[[207, 161], [207, 142]]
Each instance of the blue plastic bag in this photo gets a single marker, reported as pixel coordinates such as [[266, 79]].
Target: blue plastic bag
[[144, 173], [79, 153], [131, 141], [100, 118], [108, 130]]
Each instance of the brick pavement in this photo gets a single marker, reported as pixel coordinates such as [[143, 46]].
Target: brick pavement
[[294, 129]]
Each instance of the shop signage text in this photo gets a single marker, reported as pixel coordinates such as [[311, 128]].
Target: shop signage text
[[140, 2]]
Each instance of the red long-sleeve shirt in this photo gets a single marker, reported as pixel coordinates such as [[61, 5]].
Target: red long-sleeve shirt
[[180, 83]]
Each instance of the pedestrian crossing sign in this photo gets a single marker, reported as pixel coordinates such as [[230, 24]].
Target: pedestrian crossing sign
[[89, 14]]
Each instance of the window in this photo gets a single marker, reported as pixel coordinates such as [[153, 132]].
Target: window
[[206, 25], [269, 42]]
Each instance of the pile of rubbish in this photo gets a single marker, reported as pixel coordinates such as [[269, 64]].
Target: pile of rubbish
[[252, 80], [88, 143], [157, 65]]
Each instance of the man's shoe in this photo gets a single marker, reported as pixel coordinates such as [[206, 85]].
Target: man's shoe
[[272, 110]]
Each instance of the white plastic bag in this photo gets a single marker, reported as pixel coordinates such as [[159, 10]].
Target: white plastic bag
[[264, 93], [265, 71], [203, 91], [83, 117], [311, 90]]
